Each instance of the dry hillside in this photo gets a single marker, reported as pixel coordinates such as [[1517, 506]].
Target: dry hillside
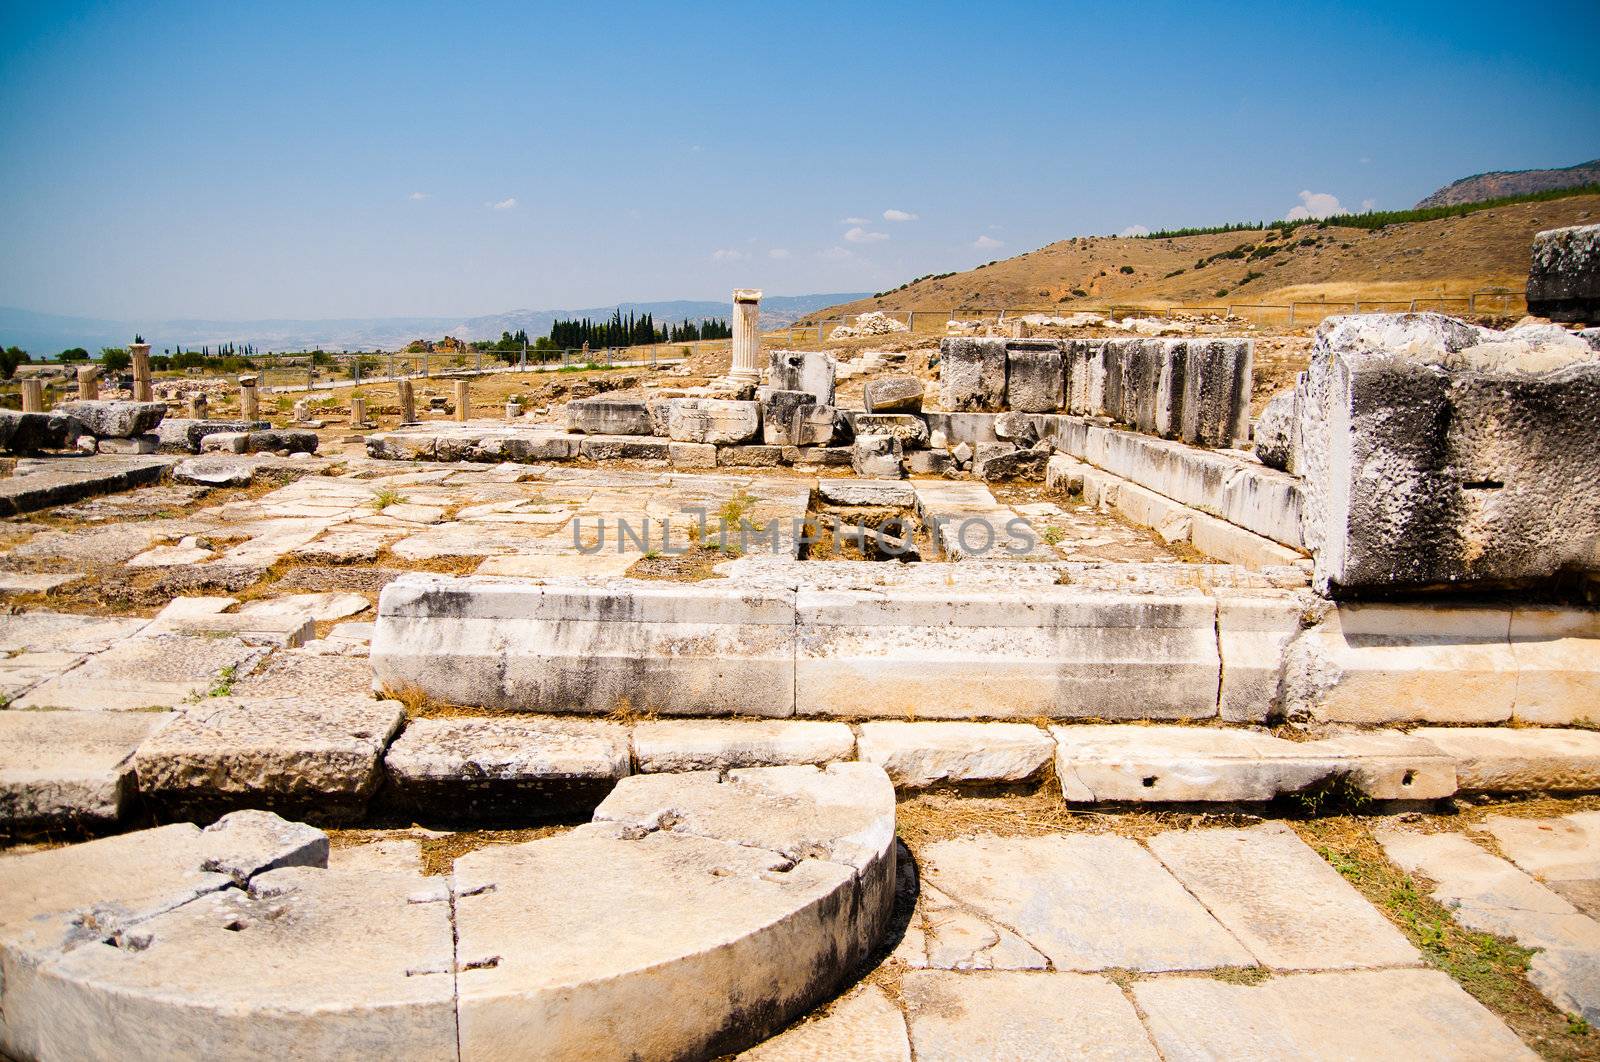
[[1451, 256]]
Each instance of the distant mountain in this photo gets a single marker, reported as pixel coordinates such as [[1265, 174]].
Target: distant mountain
[[1502, 183], [49, 334]]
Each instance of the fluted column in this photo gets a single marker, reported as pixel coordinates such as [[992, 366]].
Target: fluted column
[[746, 336]]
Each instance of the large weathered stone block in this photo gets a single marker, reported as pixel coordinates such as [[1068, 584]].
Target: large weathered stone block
[[795, 418], [893, 394], [1564, 279], [609, 416], [812, 371], [1217, 380], [712, 420], [877, 457], [107, 419], [67, 770], [1436, 453], [972, 375], [1034, 377], [680, 649], [911, 430], [26, 432]]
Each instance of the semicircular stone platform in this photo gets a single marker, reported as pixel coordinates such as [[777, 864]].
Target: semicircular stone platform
[[721, 906]]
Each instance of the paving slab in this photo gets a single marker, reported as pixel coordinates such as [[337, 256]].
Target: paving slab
[[67, 770], [1282, 900], [919, 755], [308, 672], [863, 1025], [319, 608], [1008, 1017], [1088, 902], [158, 671], [35, 582], [724, 744], [24, 671], [957, 938], [38, 632], [489, 768], [1564, 853], [1324, 1016], [309, 756]]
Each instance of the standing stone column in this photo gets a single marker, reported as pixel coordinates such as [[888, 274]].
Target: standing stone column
[[463, 400], [141, 371], [33, 396], [358, 411], [88, 382], [408, 401], [249, 401], [198, 405], [746, 336]]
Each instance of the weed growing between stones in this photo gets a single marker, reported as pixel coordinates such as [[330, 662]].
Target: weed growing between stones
[[1493, 969], [386, 497]]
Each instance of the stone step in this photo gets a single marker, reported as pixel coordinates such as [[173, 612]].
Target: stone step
[[347, 758]]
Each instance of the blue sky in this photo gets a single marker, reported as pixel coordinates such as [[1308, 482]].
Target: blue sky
[[354, 159]]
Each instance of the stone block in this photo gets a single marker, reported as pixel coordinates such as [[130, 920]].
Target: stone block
[[1495, 760], [753, 456], [929, 462], [887, 492], [267, 441], [863, 1026], [893, 394], [1035, 378], [724, 744], [65, 772], [993, 463], [150, 671], [138, 444], [911, 430], [1252, 630], [1564, 279], [1438, 453], [795, 418], [818, 456], [712, 420], [30, 432], [919, 755], [812, 371], [1054, 651], [958, 428], [692, 455], [110, 419], [609, 416], [674, 648], [624, 448], [1275, 431], [183, 434], [1557, 651], [292, 754], [1385, 664], [972, 375], [877, 457], [1217, 382], [488, 768]]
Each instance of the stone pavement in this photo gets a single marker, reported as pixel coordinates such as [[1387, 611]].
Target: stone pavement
[[1200, 944], [1544, 893]]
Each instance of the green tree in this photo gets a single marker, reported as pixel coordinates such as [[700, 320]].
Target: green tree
[[10, 358], [115, 359], [74, 354]]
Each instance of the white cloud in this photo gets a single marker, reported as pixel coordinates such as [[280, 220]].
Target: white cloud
[[987, 243], [778, 252], [508, 203], [1368, 204], [1134, 230], [861, 235], [899, 215], [1316, 205], [728, 254], [1366, 160], [836, 254], [417, 197], [856, 221]]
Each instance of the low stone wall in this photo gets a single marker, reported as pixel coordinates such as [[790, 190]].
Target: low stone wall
[[1019, 651]]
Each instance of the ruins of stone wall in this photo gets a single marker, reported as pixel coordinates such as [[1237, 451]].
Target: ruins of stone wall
[[1197, 390]]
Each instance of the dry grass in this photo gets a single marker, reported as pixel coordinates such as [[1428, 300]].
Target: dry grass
[[924, 818], [696, 564], [440, 850]]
